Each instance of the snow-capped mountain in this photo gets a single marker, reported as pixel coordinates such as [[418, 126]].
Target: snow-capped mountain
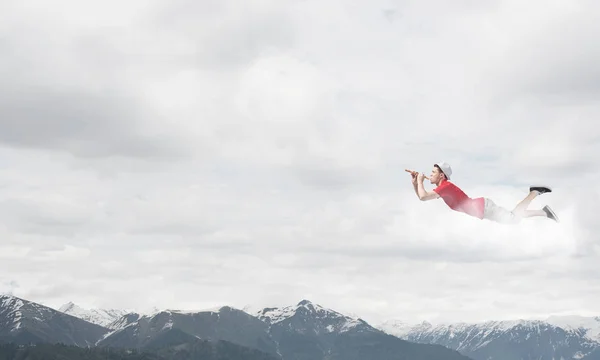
[[100, 317], [304, 330], [574, 323], [124, 321], [112, 319], [23, 321], [322, 320], [11, 314], [301, 331], [552, 338], [311, 331], [224, 323]]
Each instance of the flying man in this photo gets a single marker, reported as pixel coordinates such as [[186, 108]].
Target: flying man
[[481, 207]]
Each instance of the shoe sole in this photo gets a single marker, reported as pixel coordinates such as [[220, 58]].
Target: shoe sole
[[551, 214], [541, 189]]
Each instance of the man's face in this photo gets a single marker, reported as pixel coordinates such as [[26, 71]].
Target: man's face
[[436, 175]]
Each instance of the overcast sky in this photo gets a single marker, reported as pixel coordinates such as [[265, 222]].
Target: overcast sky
[[189, 154]]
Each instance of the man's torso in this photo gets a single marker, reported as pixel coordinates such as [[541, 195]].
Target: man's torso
[[457, 200]]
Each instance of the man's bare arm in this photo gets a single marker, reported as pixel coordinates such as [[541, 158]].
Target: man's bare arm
[[423, 194]]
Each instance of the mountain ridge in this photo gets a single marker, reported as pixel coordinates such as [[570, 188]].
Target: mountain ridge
[[25, 321], [556, 337], [303, 331]]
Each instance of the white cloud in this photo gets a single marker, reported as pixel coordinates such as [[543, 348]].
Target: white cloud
[[185, 154]]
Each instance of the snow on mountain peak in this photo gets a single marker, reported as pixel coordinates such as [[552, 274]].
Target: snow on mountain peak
[[11, 302], [214, 309], [591, 325], [70, 308], [15, 309], [276, 315], [481, 333], [329, 319], [404, 330], [102, 317], [10, 308], [400, 328]]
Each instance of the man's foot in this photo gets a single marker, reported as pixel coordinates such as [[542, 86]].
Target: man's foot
[[540, 189], [550, 213]]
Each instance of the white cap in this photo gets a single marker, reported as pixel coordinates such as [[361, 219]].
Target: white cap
[[445, 168]]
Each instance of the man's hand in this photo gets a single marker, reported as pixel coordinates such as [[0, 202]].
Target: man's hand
[[417, 181], [414, 178], [424, 195], [414, 174]]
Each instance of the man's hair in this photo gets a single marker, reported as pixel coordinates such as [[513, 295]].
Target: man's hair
[[445, 177]]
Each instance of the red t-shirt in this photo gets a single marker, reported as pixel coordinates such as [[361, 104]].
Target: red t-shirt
[[457, 200]]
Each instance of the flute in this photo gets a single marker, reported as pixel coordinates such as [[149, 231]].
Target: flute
[[413, 172]]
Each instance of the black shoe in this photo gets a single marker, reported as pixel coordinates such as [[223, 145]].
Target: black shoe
[[550, 213], [540, 189]]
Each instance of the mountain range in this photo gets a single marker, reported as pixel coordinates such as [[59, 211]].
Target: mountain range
[[304, 331], [26, 322], [566, 337]]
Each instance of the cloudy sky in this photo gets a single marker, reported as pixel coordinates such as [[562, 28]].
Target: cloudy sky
[[189, 154]]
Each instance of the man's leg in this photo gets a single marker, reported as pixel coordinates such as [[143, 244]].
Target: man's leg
[[533, 192], [524, 204], [521, 209], [545, 212], [498, 214], [532, 213]]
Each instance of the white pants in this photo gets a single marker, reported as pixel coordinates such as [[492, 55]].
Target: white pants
[[497, 213]]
